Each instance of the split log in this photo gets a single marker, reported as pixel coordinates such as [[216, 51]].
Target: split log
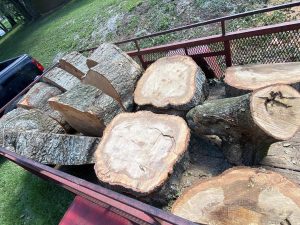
[[49, 148], [252, 77], [74, 63], [37, 98], [28, 120], [241, 196], [61, 79], [113, 72], [172, 82], [249, 124], [86, 109], [155, 146]]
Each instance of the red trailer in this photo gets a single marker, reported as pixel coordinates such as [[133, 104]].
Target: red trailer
[[267, 44]]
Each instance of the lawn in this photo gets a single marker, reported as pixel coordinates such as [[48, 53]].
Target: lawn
[[26, 199]]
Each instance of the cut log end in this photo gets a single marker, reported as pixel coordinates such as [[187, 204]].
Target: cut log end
[[241, 196], [252, 77], [171, 81], [276, 109], [154, 144]]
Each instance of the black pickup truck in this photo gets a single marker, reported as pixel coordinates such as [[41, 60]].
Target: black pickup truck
[[15, 75]]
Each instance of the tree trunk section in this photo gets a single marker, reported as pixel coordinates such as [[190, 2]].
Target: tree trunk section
[[61, 79], [28, 120], [74, 63], [86, 109], [249, 124], [172, 82], [252, 77], [113, 72], [241, 196], [155, 149], [51, 148], [37, 98]]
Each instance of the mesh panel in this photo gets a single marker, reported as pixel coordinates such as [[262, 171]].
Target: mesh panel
[[217, 64], [269, 48]]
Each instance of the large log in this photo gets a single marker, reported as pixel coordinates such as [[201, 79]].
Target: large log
[[113, 72], [249, 124], [37, 98], [61, 79], [87, 109], [172, 82], [28, 120], [242, 196], [155, 149], [254, 76], [49, 148], [74, 63]]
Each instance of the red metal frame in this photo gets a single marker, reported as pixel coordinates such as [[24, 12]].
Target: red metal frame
[[129, 208]]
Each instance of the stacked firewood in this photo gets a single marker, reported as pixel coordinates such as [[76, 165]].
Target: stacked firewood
[[147, 131]]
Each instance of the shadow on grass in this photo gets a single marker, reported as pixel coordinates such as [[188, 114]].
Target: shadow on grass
[[27, 199]]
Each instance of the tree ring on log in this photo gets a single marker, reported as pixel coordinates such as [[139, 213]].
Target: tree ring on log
[[171, 81], [275, 109], [241, 196], [138, 150], [255, 76]]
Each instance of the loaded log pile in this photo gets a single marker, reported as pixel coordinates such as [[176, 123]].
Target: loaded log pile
[[155, 134]]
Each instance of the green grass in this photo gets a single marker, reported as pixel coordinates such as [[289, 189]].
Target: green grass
[[26, 199]]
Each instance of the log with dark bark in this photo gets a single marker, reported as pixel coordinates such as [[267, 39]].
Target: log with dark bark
[[113, 72], [49, 148], [249, 124], [172, 82], [155, 149], [86, 109], [28, 120], [251, 77], [242, 196], [74, 63], [61, 79]]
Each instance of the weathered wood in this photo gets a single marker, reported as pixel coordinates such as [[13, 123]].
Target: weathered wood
[[113, 72], [61, 79], [252, 77], [285, 154], [155, 146], [28, 120], [38, 96], [172, 82], [290, 174], [74, 63], [242, 196], [86, 109], [49, 148], [249, 124]]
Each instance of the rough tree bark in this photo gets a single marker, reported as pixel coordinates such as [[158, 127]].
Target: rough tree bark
[[74, 63], [61, 79], [37, 98], [51, 148], [251, 77], [155, 149], [241, 196], [172, 82], [87, 109], [28, 120], [248, 124], [113, 72]]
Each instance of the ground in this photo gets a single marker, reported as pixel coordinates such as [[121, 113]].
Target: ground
[[24, 198]]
